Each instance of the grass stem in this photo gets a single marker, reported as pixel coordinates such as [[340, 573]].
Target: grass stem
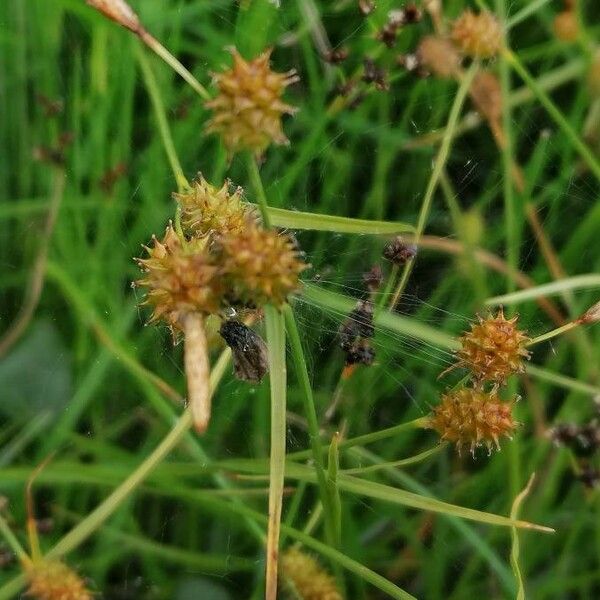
[[438, 167], [161, 119]]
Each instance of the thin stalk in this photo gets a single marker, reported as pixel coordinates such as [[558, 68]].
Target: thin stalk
[[440, 161], [161, 119], [13, 542], [259, 190], [276, 342], [510, 216], [369, 438], [333, 467], [389, 286], [530, 8], [165, 55], [577, 282], [403, 462], [515, 550], [553, 333], [297, 353], [582, 149]]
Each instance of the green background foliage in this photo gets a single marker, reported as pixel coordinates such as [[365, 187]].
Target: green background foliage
[[73, 384]]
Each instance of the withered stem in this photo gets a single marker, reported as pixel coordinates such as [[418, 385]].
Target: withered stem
[[197, 370]]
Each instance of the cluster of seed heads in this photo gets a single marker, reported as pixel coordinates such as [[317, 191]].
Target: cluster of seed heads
[[474, 415], [221, 260], [226, 259]]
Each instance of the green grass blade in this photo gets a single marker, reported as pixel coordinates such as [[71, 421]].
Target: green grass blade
[[293, 219], [276, 341]]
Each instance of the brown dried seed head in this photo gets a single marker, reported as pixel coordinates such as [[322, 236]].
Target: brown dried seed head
[[180, 280], [306, 578], [206, 209], [439, 56], [494, 349], [591, 315], [478, 35], [53, 580], [118, 11], [486, 94], [566, 26], [471, 417], [261, 265], [248, 108]]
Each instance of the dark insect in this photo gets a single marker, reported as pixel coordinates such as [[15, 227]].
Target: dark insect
[[250, 355]]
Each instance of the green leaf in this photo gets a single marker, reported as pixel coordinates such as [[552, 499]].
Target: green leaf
[[591, 280], [394, 495], [295, 219]]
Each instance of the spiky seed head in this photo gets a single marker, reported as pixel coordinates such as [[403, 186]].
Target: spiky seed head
[[207, 209], [473, 417], [486, 94], [248, 109], [494, 349], [306, 578], [439, 56], [478, 35], [180, 280], [53, 580], [261, 265]]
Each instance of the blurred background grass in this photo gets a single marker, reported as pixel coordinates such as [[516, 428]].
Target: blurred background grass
[[64, 389]]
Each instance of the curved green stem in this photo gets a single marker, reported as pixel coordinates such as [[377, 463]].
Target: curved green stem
[[438, 168], [161, 119]]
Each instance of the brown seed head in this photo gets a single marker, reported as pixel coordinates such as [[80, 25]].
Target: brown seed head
[[478, 35], [591, 315], [248, 108], [306, 578], [566, 26], [471, 417], [439, 56], [180, 280], [486, 94], [494, 349], [118, 11], [206, 209], [53, 580], [261, 265]]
